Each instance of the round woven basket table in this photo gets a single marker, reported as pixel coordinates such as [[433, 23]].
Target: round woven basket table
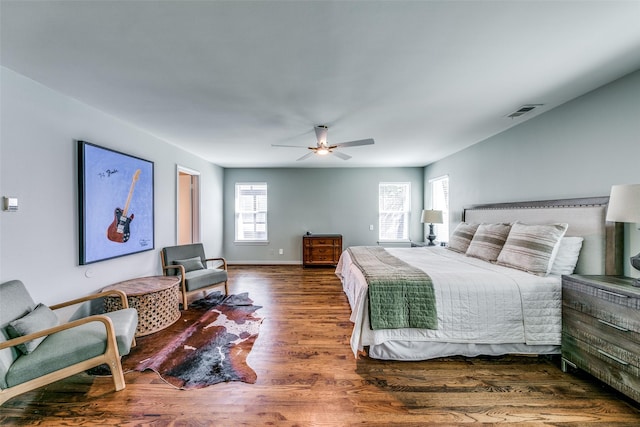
[[156, 298]]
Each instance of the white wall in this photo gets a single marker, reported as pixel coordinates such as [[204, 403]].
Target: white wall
[[39, 243], [579, 149]]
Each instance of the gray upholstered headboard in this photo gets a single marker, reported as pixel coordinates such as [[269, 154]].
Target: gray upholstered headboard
[[602, 247]]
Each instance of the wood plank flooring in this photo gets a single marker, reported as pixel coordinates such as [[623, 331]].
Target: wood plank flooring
[[307, 376]]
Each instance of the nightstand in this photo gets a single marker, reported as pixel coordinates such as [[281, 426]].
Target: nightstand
[[601, 329]]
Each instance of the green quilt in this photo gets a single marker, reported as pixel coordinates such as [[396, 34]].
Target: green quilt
[[400, 295]]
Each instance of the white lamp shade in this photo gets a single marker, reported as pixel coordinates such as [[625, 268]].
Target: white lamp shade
[[431, 217], [624, 203]]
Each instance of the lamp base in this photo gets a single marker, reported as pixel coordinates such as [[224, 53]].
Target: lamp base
[[635, 263], [431, 236]]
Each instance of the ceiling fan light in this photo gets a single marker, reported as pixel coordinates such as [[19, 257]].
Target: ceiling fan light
[[322, 151]]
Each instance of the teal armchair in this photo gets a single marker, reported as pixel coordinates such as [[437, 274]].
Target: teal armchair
[[191, 265], [35, 350]]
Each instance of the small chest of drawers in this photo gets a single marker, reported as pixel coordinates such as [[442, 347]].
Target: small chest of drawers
[[321, 249], [601, 329]]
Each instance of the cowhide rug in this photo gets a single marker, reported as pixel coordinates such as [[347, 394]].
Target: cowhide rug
[[209, 344]]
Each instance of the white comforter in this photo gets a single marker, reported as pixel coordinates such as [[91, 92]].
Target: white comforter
[[477, 302]]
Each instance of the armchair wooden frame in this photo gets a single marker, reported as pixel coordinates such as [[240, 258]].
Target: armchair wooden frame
[[183, 286], [110, 357]]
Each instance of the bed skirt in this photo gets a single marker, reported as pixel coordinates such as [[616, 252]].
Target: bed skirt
[[423, 350]]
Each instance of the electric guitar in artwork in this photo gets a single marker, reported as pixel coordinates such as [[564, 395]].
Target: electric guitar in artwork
[[118, 231]]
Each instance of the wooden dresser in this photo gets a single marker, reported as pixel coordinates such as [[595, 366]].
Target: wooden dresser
[[321, 249], [601, 329]]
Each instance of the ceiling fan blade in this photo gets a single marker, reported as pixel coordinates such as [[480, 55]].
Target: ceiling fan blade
[[321, 133], [368, 141], [341, 155], [292, 146], [309, 154]]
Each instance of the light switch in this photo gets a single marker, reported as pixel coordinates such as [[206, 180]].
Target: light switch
[[10, 204]]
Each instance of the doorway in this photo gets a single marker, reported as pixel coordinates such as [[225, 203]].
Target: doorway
[[188, 206]]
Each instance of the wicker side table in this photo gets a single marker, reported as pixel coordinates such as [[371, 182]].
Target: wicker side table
[[156, 298]]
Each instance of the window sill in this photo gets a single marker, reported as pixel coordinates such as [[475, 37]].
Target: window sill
[[251, 242]]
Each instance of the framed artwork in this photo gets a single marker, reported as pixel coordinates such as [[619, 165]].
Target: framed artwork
[[115, 192]]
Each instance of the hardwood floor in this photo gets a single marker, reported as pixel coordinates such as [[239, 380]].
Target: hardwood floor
[[308, 376]]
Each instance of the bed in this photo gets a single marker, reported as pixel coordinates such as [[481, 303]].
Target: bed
[[480, 307]]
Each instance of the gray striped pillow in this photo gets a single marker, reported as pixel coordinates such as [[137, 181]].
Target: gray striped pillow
[[532, 248], [488, 241], [461, 237]]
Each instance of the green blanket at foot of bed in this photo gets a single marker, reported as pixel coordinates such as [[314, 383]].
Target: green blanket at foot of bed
[[400, 296]]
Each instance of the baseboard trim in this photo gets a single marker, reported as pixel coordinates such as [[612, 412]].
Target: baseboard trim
[[264, 262]]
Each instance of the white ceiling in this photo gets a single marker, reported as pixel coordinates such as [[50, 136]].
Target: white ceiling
[[226, 79]]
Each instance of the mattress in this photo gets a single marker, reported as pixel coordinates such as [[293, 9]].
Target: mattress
[[480, 306]]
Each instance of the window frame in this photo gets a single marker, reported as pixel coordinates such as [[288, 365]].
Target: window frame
[[255, 212], [405, 212]]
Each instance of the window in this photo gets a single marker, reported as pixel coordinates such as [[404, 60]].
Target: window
[[251, 212], [440, 202], [394, 206]]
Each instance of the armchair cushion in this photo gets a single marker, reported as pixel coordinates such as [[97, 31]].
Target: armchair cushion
[[72, 346], [198, 279], [41, 317], [190, 264]]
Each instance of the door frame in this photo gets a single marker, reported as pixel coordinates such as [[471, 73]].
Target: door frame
[[196, 228]]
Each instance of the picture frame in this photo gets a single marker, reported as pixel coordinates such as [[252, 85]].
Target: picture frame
[[115, 203]]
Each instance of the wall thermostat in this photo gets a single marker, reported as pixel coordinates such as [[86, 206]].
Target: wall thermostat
[[10, 204]]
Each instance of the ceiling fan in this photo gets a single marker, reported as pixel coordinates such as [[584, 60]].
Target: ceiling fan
[[323, 148]]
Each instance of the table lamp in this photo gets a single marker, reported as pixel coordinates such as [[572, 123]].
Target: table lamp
[[624, 206], [431, 217]]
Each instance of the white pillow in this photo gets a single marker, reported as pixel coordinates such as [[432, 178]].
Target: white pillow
[[567, 256]]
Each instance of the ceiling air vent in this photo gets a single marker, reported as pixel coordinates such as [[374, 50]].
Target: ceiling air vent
[[524, 110]]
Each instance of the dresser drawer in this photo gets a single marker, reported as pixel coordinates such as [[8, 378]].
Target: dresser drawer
[[321, 259], [612, 307], [317, 251], [618, 342], [620, 375], [321, 242]]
